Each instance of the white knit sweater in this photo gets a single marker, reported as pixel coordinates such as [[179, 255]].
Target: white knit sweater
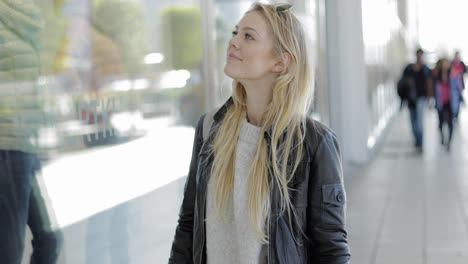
[[234, 241]]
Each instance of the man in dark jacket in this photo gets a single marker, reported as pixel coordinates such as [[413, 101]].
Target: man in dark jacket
[[419, 77]]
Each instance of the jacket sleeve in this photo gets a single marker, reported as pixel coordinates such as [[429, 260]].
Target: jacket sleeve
[[406, 71], [327, 205], [181, 251]]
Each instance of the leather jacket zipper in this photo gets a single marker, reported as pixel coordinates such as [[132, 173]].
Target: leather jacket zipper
[[202, 226], [202, 222], [271, 209], [269, 240], [269, 225]]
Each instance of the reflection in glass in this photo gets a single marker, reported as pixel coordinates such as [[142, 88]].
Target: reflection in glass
[[22, 202], [119, 90]]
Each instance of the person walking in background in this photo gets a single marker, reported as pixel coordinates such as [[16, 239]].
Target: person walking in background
[[266, 184], [418, 76], [21, 117], [458, 70], [447, 96]]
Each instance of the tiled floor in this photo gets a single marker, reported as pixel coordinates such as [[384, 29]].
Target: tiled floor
[[409, 208]]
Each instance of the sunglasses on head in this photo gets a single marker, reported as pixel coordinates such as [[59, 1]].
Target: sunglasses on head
[[279, 8]]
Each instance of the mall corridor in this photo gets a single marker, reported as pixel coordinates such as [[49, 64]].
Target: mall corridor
[[100, 100], [410, 208]]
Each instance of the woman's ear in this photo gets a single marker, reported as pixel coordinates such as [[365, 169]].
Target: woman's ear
[[282, 64]]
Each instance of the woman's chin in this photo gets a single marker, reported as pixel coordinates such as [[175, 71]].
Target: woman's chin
[[228, 72]]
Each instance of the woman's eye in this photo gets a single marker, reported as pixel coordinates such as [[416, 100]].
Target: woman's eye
[[248, 36], [234, 33]]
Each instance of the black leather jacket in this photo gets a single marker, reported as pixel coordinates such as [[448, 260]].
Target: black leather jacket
[[319, 200]]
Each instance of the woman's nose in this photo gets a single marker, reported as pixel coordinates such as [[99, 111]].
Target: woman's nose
[[233, 42]]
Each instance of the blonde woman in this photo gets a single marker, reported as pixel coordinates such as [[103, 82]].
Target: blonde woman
[[266, 185]]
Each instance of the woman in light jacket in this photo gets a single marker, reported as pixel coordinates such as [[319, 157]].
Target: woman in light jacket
[[448, 88]]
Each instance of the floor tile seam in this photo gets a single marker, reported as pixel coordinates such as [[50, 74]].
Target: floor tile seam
[[383, 219], [462, 205], [424, 220]]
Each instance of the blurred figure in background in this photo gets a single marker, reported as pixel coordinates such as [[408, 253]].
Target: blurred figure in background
[[458, 70], [21, 117], [418, 78], [447, 93]]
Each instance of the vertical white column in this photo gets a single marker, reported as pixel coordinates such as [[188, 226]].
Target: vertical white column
[[209, 63], [347, 80]]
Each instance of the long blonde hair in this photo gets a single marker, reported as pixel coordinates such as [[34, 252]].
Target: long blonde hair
[[286, 112]]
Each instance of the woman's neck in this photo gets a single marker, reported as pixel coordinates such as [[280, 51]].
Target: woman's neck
[[258, 97], [255, 110]]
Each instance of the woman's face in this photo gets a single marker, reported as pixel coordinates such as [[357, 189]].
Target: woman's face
[[445, 65], [250, 50]]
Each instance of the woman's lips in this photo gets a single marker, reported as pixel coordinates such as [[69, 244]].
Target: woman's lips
[[233, 57]]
